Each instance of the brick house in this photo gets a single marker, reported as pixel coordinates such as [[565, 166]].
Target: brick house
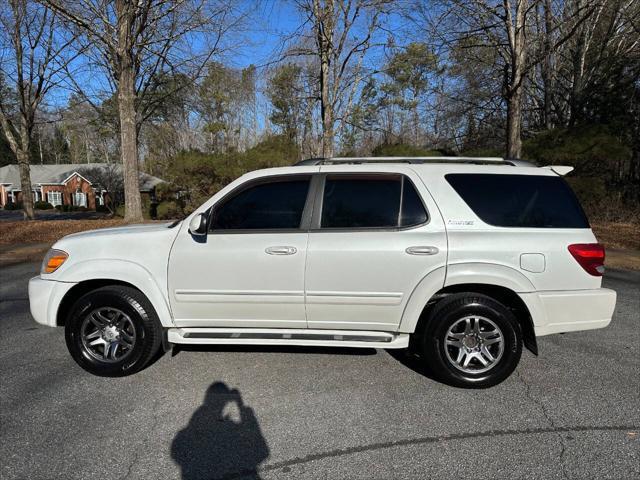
[[64, 185]]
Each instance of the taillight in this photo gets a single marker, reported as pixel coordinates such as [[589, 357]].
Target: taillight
[[590, 256]]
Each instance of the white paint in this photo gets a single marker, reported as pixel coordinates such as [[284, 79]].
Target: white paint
[[340, 281]]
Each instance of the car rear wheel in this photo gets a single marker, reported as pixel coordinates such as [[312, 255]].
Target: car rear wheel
[[471, 341], [113, 331]]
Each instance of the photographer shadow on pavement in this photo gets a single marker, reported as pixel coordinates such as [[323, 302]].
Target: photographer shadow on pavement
[[222, 440]]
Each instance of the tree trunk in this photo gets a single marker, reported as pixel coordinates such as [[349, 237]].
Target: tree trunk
[[129, 146], [514, 125], [327, 131], [127, 114], [547, 77], [516, 31], [324, 18], [25, 183]]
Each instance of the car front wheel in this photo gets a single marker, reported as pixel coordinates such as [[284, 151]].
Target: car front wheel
[[472, 341], [113, 331]]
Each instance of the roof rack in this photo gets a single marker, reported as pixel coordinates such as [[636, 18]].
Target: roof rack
[[413, 160]]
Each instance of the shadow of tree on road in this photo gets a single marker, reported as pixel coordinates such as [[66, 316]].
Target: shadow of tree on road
[[222, 440]]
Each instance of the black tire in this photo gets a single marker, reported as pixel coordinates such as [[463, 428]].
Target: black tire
[[142, 323], [450, 312]]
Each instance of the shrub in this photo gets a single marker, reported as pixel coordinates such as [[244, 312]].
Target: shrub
[[193, 176], [42, 205], [13, 206], [403, 150], [168, 210], [601, 160]]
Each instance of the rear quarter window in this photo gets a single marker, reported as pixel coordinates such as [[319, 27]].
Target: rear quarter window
[[528, 201]]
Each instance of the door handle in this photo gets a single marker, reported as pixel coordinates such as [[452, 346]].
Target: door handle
[[281, 250], [422, 250]]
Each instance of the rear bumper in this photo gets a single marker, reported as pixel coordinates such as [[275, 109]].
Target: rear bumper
[[571, 310], [44, 299]]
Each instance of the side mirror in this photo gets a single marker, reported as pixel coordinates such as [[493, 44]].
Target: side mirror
[[198, 225]]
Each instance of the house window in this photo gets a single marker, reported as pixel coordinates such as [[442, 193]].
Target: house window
[[54, 198], [80, 199]]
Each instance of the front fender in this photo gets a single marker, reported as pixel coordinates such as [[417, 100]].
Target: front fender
[[123, 271]]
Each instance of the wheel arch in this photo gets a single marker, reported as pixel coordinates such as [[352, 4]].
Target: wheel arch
[[114, 272], [498, 282], [505, 296]]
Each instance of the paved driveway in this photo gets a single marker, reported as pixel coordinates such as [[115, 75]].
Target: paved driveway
[[574, 412]]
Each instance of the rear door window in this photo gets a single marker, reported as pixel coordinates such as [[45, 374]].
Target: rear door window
[[370, 201], [531, 201]]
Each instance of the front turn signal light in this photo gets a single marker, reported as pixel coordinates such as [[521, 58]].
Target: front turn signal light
[[53, 260]]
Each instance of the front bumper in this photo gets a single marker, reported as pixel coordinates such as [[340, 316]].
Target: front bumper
[[571, 310], [44, 299]]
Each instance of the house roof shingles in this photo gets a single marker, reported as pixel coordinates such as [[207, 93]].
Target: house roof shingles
[[56, 174]]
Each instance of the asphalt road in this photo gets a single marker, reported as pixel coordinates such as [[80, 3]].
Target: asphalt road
[[573, 412]]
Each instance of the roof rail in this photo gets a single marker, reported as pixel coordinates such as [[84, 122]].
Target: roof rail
[[411, 160]]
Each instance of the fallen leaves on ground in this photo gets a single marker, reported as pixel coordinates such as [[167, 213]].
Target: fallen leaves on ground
[[616, 235], [49, 231]]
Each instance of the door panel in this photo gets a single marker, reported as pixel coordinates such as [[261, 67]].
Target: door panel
[[363, 280], [370, 245], [231, 281], [249, 270]]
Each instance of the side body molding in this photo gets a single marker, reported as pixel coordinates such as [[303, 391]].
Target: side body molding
[[127, 272]]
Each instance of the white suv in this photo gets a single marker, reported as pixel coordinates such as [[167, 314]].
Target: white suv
[[461, 259]]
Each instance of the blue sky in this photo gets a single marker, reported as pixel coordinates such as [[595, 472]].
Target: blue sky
[[259, 42]]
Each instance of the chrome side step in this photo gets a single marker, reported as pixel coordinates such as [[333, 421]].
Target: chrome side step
[[287, 336]]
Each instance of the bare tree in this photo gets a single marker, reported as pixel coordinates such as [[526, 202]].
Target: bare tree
[[108, 179], [342, 33], [506, 26], [34, 54], [140, 44]]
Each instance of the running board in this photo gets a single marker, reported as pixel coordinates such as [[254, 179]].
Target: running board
[[287, 336]]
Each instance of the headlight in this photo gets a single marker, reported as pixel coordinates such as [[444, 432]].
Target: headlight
[[53, 260]]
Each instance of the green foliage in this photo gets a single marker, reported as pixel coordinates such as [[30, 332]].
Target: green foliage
[[193, 177], [483, 152], [6, 155], [403, 150], [40, 205], [71, 208], [169, 210], [597, 154], [224, 94], [408, 71], [284, 90], [590, 149], [13, 206]]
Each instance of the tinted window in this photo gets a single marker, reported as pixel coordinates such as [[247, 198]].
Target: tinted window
[[278, 204], [413, 212], [520, 200], [370, 202]]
